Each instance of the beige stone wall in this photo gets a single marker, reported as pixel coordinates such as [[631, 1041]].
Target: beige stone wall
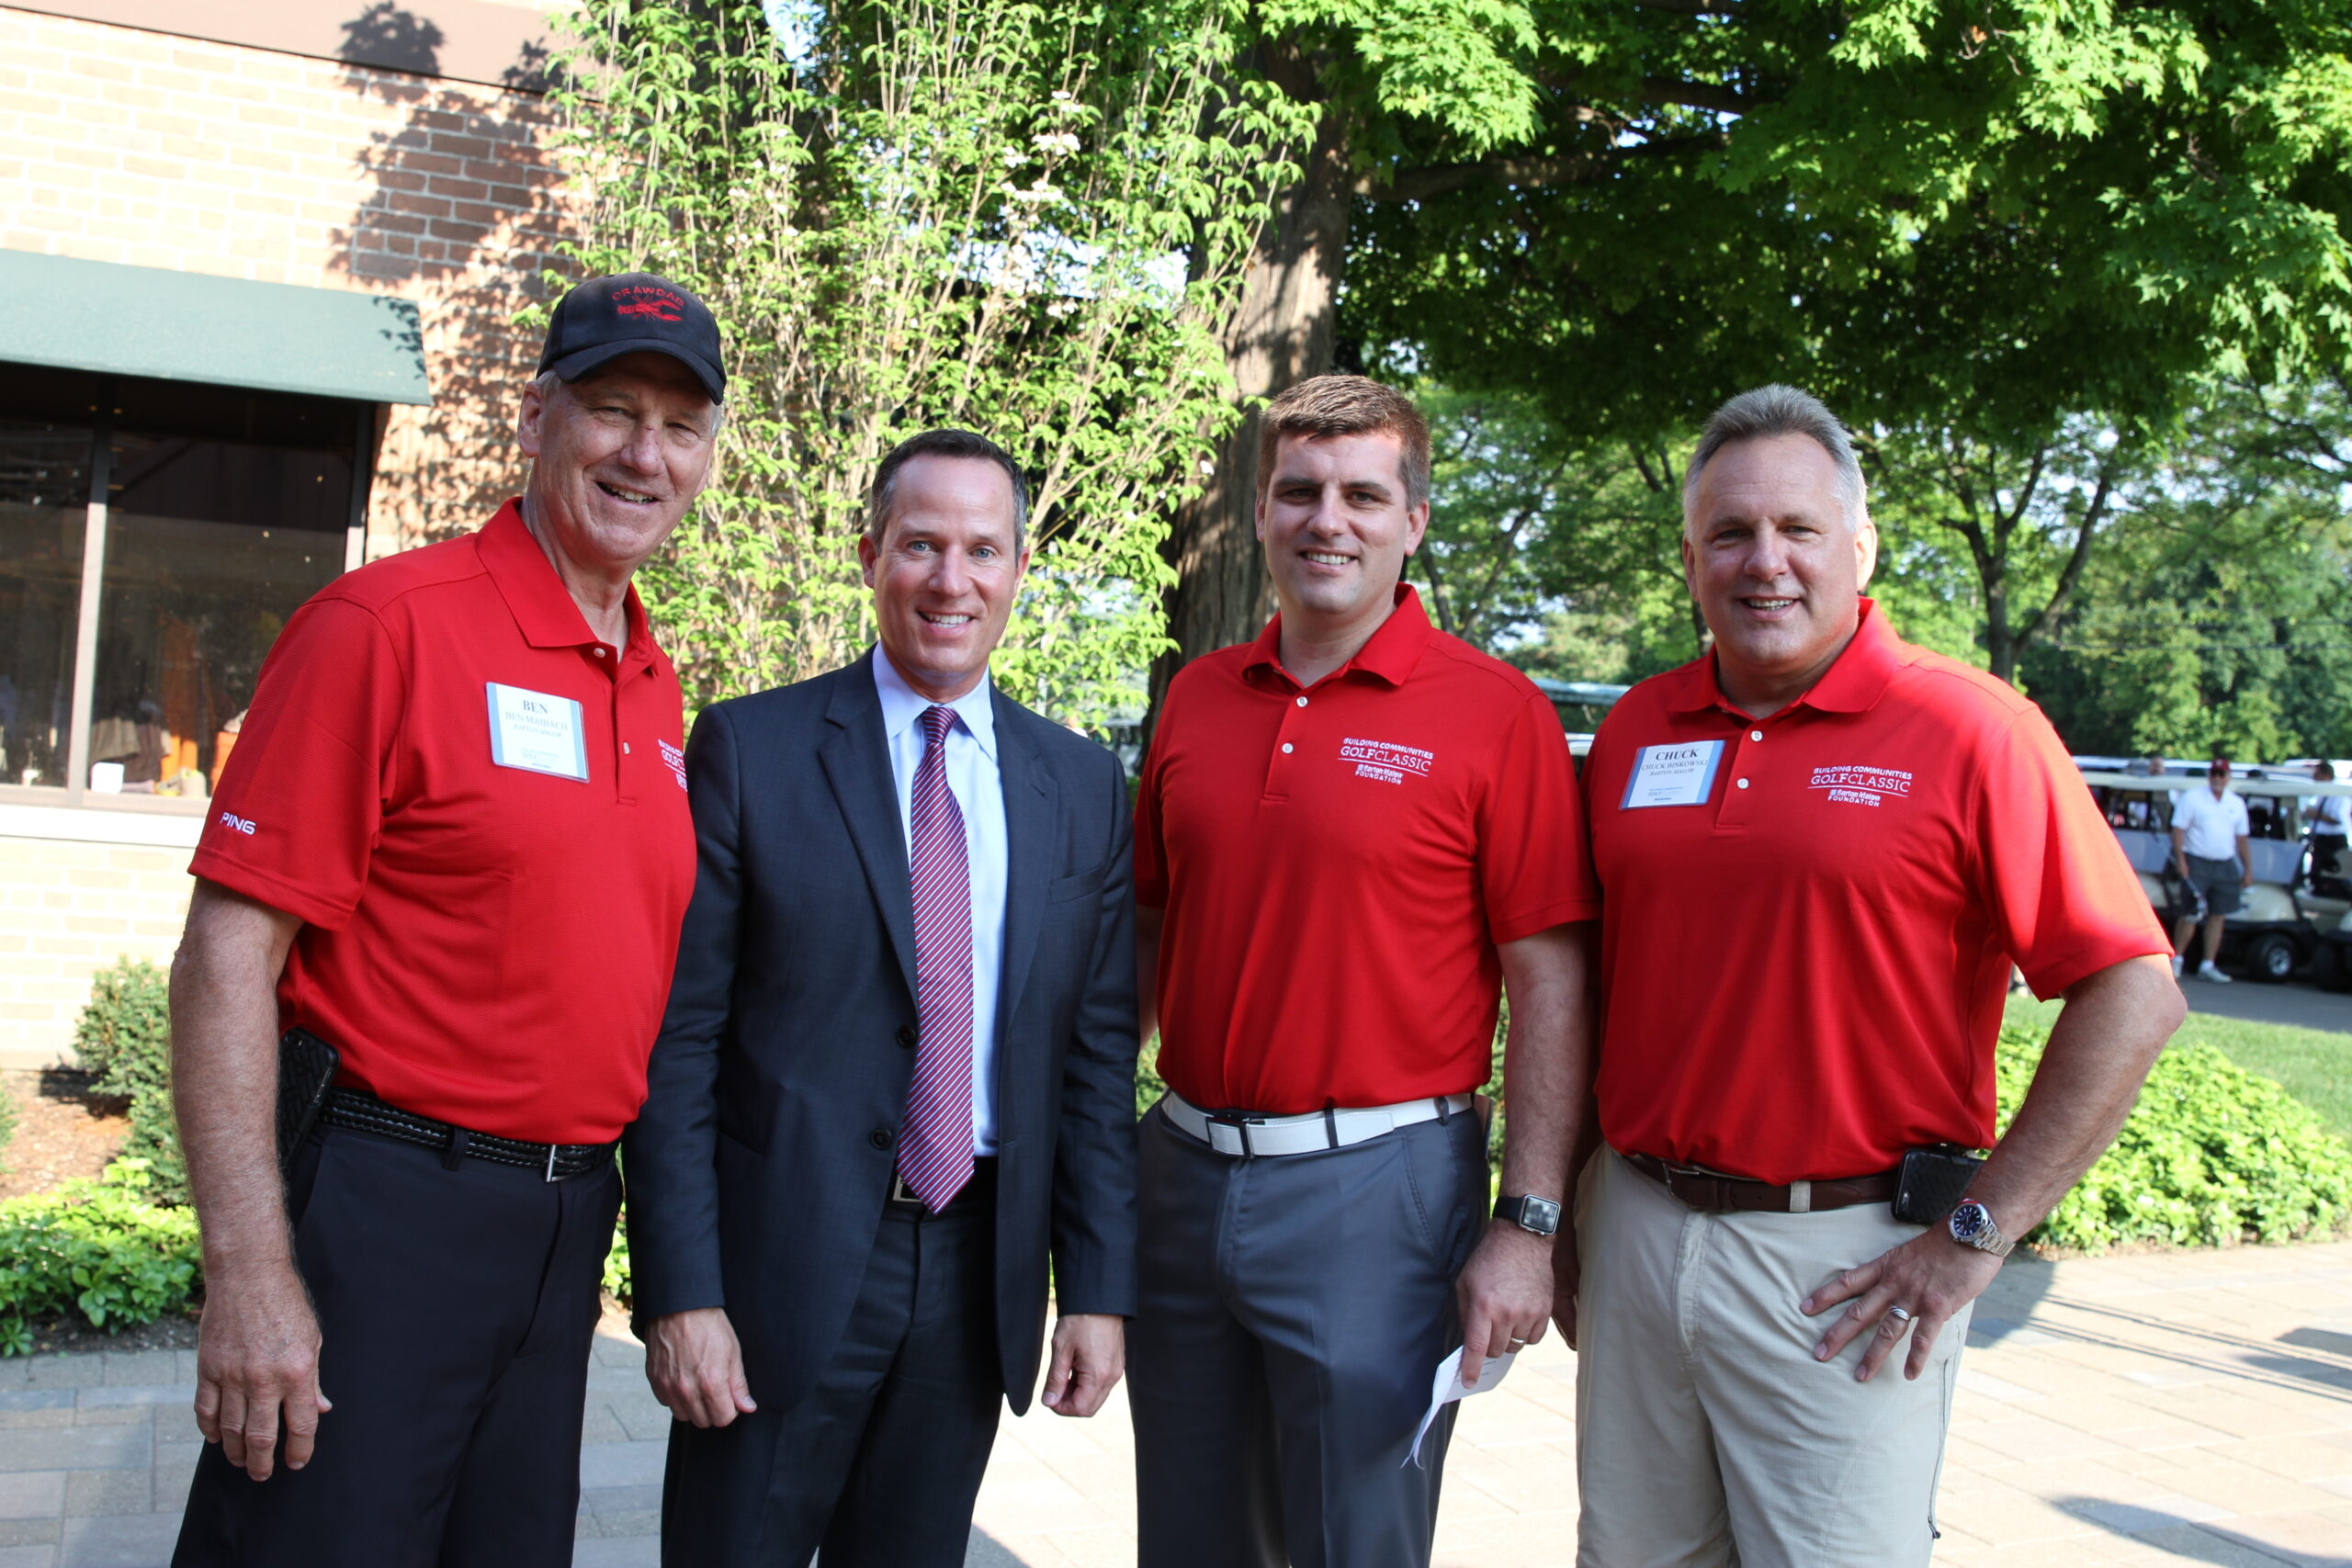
[[68, 909], [128, 146]]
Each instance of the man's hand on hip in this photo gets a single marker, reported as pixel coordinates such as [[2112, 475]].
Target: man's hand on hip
[[1929, 1277], [257, 1369], [1089, 1357], [695, 1366], [1505, 1293]]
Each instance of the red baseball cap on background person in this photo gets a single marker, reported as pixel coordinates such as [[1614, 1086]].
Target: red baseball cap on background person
[[633, 313]]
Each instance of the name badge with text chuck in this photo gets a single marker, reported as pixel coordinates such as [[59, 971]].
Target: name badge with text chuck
[[536, 732], [1679, 774]]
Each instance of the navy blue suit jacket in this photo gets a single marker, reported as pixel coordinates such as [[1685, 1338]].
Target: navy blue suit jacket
[[759, 1167]]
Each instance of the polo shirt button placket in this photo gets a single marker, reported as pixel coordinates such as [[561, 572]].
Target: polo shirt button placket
[[1277, 776], [1738, 800]]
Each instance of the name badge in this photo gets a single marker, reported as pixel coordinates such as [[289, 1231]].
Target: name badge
[[1679, 774], [536, 732]]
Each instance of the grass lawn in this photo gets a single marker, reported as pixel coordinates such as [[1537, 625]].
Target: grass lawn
[[2314, 1064]]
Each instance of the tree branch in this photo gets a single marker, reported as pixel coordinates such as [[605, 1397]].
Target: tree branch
[[1712, 95], [2092, 515], [1439, 179]]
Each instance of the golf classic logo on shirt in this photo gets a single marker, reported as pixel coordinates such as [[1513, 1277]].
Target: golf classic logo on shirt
[[1386, 761], [1855, 786], [675, 758]]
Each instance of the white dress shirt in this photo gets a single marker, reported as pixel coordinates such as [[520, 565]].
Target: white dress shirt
[[978, 789], [2210, 828], [2328, 814]]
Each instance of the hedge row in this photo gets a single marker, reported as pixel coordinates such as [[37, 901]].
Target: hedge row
[[2211, 1155]]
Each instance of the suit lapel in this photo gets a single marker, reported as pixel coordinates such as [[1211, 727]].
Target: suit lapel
[[856, 759], [1029, 801]]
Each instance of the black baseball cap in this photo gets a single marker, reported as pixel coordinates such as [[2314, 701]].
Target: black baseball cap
[[633, 313]]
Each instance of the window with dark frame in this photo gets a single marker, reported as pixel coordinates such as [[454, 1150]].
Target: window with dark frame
[[129, 649]]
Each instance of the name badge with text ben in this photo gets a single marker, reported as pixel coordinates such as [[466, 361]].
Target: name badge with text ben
[[536, 732], [1679, 774]]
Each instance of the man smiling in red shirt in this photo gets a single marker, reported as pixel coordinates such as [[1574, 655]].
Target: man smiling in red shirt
[[1351, 833], [1872, 832]]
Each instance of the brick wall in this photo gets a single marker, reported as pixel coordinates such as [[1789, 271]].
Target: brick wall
[[68, 909], [126, 146]]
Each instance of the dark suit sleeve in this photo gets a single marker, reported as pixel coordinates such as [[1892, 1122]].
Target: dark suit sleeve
[[670, 1153], [1094, 1162]]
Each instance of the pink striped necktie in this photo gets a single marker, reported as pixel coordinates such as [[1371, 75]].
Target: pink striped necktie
[[935, 1146]]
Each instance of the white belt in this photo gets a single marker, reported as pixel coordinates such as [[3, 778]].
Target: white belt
[[1316, 1129]]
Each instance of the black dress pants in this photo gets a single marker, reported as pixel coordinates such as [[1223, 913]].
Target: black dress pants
[[881, 1463], [455, 1307]]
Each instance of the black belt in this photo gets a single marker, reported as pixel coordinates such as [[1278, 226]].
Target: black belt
[[363, 1112], [978, 1192]]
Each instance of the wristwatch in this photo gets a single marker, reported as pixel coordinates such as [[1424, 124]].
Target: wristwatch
[[1541, 1216], [1972, 1226]]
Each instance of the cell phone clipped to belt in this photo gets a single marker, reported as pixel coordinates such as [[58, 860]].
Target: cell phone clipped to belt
[[306, 1067], [1932, 1182]]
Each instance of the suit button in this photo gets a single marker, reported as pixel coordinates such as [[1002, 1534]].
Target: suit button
[[907, 1036], [881, 1137]]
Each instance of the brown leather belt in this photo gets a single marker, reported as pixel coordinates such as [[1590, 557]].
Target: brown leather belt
[[1711, 1193]]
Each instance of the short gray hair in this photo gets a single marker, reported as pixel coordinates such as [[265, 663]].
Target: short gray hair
[[1776, 410], [943, 444]]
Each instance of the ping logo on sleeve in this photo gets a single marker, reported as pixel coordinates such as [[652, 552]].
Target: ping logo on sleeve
[[236, 824]]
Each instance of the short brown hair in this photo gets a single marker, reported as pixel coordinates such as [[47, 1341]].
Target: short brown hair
[[1348, 405]]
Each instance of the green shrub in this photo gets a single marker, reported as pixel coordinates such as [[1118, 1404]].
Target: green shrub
[[7, 1123], [2211, 1155], [124, 1041], [103, 1248], [617, 1279]]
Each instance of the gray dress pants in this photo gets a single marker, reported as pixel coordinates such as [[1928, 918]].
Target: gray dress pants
[[1293, 1310]]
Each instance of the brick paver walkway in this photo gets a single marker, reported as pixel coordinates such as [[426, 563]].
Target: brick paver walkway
[[2190, 1407]]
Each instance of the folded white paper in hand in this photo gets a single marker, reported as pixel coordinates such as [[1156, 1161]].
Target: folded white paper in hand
[[1446, 1387]]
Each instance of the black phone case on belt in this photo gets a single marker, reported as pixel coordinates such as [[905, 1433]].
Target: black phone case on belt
[[305, 1068], [1932, 1182]]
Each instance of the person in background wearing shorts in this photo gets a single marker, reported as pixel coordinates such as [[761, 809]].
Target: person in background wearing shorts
[[2209, 850]]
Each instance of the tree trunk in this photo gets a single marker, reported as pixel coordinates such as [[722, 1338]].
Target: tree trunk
[[1282, 334]]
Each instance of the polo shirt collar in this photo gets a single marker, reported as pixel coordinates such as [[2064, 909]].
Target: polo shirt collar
[[1391, 653], [543, 608], [902, 705], [1853, 683]]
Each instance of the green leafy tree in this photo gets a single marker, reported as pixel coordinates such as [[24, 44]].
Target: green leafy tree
[[2221, 618], [1990, 234], [1027, 219]]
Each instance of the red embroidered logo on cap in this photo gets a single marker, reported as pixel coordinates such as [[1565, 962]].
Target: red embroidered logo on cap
[[658, 303]]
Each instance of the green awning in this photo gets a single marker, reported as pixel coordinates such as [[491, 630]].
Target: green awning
[[184, 326]]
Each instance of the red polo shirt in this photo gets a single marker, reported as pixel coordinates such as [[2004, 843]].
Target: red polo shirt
[[487, 945], [1337, 862], [1802, 972]]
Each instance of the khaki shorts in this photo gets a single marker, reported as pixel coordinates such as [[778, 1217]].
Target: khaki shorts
[[1706, 1433]]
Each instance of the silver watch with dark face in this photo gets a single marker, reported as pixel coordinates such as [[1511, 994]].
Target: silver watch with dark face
[[1972, 1226]]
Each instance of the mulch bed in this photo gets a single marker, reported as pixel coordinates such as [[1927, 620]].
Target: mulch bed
[[63, 1131]]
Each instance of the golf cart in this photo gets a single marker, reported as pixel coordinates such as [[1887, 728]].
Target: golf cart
[[2294, 914]]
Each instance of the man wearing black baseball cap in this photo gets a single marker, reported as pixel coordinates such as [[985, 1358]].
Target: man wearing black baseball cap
[[454, 847]]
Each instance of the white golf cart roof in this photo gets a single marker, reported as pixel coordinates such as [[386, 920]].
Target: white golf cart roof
[[2171, 783]]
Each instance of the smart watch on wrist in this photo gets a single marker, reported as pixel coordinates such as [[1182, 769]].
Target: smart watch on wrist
[[1972, 1226], [1541, 1216]]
